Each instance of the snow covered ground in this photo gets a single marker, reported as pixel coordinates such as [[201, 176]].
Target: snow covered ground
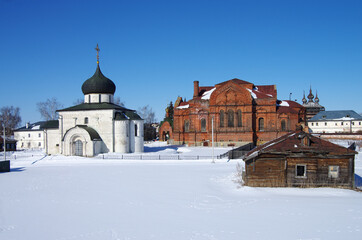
[[61, 198]]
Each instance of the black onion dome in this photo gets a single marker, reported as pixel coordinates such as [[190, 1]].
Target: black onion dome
[[98, 83]]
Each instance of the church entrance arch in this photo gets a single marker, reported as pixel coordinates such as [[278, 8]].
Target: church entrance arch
[[78, 148]]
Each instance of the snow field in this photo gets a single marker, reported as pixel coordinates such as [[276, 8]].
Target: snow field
[[65, 198]]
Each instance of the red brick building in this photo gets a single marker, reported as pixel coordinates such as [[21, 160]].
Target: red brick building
[[241, 111]]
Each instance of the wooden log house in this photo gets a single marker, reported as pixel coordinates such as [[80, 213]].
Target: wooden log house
[[299, 159]]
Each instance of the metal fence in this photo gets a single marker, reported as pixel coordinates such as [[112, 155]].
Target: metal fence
[[156, 157]]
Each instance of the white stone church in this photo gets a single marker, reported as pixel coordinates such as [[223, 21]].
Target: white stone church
[[95, 126]]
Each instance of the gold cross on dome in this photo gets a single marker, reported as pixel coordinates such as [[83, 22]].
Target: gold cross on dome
[[97, 49]]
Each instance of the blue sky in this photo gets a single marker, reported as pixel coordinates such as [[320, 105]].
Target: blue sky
[[154, 50]]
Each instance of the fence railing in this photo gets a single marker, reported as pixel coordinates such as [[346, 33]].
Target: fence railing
[[157, 157]]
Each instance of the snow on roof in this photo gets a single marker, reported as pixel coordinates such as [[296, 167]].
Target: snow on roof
[[336, 115], [207, 94], [36, 127], [252, 93], [283, 104], [183, 106]]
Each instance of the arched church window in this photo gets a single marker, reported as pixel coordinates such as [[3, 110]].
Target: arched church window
[[136, 130], [99, 98], [230, 118], [187, 125], [85, 120], [203, 125], [283, 125], [221, 118], [261, 124], [239, 118]]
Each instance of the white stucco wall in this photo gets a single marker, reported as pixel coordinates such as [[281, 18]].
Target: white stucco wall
[[139, 139], [99, 120], [29, 139], [52, 141], [335, 126], [121, 136], [96, 97]]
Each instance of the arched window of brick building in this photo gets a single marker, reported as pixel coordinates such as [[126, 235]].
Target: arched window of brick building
[[230, 118], [239, 117], [261, 124], [203, 125], [222, 118], [187, 125], [283, 125]]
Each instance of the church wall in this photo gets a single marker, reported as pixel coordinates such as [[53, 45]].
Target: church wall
[[99, 120], [52, 141], [139, 139], [121, 134]]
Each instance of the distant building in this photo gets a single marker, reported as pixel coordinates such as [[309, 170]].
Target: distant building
[[10, 144], [299, 159], [345, 121], [31, 136], [240, 111], [312, 106]]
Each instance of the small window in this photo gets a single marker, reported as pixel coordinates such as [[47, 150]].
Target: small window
[[239, 118], [359, 123], [342, 123], [39, 134], [203, 125], [89, 98], [136, 130], [187, 125], [221, 118], [85, 120], [335, 124], [312, 124], [29, 135], [325, 124], [39, 144], [353, 123], [99, 98], [300, 171], [316, 124], [283, 125], [333, 171], [261, 124], [230, 118]]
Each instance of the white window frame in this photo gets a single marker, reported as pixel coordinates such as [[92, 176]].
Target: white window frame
[[305, 170], [334, 174]]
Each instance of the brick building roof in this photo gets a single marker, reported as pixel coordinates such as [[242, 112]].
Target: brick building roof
[[298, 142]]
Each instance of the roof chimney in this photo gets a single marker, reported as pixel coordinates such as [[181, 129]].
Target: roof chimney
[[27, 125], [196, 88]]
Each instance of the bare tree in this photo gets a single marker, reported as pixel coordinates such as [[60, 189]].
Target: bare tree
[[78, 101], [117, 101], [147, 114], [48, 108], [10, 117]]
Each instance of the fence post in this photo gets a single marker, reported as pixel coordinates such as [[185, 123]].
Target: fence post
[[159, 157], [178, 157]]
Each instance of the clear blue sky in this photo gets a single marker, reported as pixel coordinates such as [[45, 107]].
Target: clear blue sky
[[154, 50]]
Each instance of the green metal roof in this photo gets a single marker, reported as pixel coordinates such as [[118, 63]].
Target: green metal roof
[[92, 133], [94, 106], [98, 83]]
